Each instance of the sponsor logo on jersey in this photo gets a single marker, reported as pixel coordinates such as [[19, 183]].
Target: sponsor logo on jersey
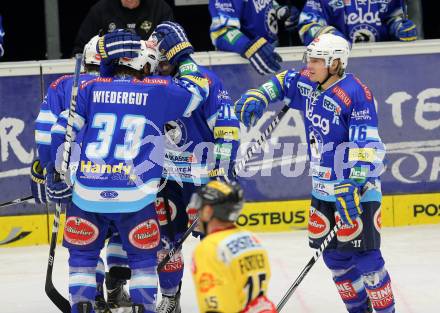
[[159, 205], [330, 105], [362, 115], [363, 155], [241, 243], [342, 95], [304, 89], [109, 194], [320, 172], [206, 282], [347, 233], [319, 225], [79, 231], [358, 172], [224, 6], [227, 133], [145, 235], [56, 82], [382, 297], [261, 4], [90, 167], [367, 91], [359, 17], [180, 157], [96, 80], [223, 151]]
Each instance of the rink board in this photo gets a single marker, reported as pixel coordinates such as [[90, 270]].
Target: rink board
[[400, 210]]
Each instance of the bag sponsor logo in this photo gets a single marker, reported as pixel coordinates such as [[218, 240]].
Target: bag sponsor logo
[[78, 231], [146, 235]]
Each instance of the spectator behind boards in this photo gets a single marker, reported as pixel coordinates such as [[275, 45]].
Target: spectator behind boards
[[250, 29], [107, 15], [356, 20]]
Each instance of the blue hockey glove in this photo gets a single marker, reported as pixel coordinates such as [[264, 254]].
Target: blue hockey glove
[[348, 201], [38, 185], [118, 44], [250, 107], [288, 16], [173, 42], [262, 56], [404, 30], [56, 189]]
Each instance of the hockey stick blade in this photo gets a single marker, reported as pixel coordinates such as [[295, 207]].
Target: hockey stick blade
[[315, 257], [16, 201]]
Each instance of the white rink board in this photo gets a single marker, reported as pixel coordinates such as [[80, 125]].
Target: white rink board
[[411, 255]]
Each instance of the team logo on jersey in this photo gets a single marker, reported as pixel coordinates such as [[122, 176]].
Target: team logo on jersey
[[146, 26], [347, 233], [159, 205], [176, 132], [145, 235], [79, 231], [319, 225], [111, 27], [363, 33], [271, 24]]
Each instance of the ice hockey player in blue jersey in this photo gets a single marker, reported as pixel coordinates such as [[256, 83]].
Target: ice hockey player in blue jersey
[[56, 101], [248, 28], [120, 167], [356, 20], [198, 149], [346, 154]]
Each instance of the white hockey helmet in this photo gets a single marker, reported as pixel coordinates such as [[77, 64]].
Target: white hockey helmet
[[328, 47], [149, 54], [90, 53]]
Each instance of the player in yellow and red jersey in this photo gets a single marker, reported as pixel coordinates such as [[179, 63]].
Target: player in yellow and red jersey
[[230, 266]]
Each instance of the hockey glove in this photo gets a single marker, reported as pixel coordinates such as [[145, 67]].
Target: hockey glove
[[250, 107], [404, 30], [56, 189], [173, 42], [262, 56], [348, 201], [288, 17], [38, 186], [117, 44]]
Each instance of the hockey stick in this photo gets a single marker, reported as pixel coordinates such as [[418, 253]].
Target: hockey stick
[[238, 167], [53, 294], [404, 10], [16, 201], [317, 255]]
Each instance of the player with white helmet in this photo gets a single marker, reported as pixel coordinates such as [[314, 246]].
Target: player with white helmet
[[346, 152], [122, 119]]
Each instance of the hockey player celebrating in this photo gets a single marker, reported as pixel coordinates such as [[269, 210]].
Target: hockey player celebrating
[[356, 21], [345, 151], [57, 100], [120, 166], [230, 266], [213, 126]]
